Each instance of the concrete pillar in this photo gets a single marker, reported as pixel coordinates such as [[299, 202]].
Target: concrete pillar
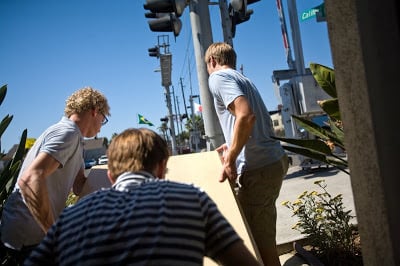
[[365, 42]]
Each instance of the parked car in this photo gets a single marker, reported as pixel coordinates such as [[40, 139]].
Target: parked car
[[103, 159], [90, 163]]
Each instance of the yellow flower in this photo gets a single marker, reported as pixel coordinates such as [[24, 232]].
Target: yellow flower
[[285, 203], [297, 202], [319, 181], [314, 193], [295, 226], [338, 197], [303, 194]]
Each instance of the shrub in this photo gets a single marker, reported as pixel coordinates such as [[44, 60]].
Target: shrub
[[324, 220], [9, 175]]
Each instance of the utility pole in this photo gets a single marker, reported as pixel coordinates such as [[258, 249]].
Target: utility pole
[[177, 115], [195, 134], [202, 39], [166, 67], [183, 96]]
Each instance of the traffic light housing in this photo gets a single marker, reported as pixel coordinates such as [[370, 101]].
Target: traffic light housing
[[183, 116], [165, 15], [164, 22], [239, 13], [166, 6], [154, 51]]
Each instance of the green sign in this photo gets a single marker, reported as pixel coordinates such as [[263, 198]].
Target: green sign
[[318, 11], [309, 14]]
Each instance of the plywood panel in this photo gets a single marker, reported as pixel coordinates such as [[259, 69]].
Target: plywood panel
[[203, 170]]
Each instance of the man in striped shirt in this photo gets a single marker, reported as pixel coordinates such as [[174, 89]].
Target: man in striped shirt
[[142, 219]]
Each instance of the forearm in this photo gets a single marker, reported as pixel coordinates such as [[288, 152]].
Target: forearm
[[241, 133], [35, 194], [79, 182]]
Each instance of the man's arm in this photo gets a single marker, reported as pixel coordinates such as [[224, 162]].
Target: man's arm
[[244, 122], [237, 254], [79, 182], [34, 189]]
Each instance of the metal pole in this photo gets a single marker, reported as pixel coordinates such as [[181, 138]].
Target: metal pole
[[195, 131], [202, 38], [226, 22], [183, 96], [171, 120], [298, 48], [178, 113]]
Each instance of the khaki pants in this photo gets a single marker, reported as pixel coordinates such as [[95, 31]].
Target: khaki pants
[[257, 193]]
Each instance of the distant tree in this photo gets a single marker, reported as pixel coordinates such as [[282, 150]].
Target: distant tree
[[197, 123]]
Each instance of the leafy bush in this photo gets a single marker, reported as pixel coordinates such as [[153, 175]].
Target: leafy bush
[[326, 223], [320, 148], [9, 175]]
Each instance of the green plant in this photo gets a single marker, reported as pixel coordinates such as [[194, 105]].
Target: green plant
[[71, 200], [320, 147], [326, 223], [9, 175]]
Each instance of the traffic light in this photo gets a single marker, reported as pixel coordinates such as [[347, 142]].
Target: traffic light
[[239, 13], [164, 22], [183, 116], [154, 51], [240, 6], [165, 15]]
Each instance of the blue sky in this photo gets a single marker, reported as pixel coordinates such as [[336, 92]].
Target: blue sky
[[50, 48]]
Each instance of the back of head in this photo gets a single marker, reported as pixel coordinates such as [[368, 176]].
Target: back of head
[[136, 149], [86, 99], [223, 54]]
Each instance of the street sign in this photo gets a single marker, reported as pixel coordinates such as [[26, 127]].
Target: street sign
[[309, 14], [318, 12]]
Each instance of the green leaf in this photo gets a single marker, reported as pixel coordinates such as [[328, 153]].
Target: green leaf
[[4, 124], [313, 128], [325, 78], [306, 152], [338, 132], [331, 107], [311, 144], [3, 92], [336, 162]]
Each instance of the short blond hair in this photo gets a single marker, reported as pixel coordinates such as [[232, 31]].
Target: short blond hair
[[136, 149], [223, 54], [86, 99]]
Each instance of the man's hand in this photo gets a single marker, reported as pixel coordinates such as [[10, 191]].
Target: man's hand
[[228, 166]]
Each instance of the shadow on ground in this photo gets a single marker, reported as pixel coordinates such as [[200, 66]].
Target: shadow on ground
[[313, 173]]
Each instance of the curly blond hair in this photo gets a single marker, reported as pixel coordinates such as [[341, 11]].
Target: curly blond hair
[[86, 99]]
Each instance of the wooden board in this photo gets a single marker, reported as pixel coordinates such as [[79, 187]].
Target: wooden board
[[201, 169]]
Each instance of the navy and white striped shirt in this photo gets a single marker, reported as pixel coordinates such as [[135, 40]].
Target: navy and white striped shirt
[[141, 220]]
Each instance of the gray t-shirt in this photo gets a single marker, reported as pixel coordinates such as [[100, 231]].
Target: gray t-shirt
[[260, 150], [64, 142]]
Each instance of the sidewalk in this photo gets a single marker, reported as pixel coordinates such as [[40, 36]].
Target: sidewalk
[[295, 183]]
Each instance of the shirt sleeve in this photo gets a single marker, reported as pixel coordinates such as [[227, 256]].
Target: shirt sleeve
[[224, 87]]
